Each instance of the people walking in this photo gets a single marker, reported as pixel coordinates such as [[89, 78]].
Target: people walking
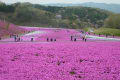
[[84, 38], [71, 38], [106, 35], [113, 36], [51, 39], [19, 39], [32, 39], [15, 38], [54, 39], [75, 39], [47, 39]]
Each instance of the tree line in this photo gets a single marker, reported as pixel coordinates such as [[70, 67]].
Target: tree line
[[50, 16]]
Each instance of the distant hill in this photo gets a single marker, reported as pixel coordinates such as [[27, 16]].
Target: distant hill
[[28, 14], [110, 7]]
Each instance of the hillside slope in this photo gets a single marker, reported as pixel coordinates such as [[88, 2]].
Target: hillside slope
[[28, 14]]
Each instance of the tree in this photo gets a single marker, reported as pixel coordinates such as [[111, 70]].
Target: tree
[[113, 21], [23, 14], [6, 8]]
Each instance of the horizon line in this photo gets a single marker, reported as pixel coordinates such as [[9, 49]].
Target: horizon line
[[63, 3]]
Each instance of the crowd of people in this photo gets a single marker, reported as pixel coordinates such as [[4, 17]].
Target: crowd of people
[[83, 36], [17, 38], [51, 39]]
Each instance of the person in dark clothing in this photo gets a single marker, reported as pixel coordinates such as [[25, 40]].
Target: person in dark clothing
[[85, 39], [15, 38], [47, 39], [31, 39], [82, 32], [19, 39], [0, 38], [113, 36], [51, 39], [54, 39], [75, 39], [106, 35], [71, 38]]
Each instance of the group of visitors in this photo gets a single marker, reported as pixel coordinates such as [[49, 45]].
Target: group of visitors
[[84, 38], [73, 39], [51, 39], [48, 39], [17, 38]]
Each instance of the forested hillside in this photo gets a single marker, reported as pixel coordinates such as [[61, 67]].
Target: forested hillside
[[47, 16], [113, 21]]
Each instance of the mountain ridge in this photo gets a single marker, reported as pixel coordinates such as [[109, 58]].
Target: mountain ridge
[[110, 7]]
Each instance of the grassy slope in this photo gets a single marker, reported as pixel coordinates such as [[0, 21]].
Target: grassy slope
[[108, 31]]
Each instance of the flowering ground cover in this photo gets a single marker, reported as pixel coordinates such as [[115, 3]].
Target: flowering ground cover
[[60, 60], [9, 28], [41, 34]]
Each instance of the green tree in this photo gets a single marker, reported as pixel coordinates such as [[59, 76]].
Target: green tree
[[113, 21], [23, 14]]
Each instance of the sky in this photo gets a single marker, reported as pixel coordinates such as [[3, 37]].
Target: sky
[[62, 1]]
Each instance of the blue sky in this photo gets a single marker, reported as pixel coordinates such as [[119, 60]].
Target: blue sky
[[61, 1]]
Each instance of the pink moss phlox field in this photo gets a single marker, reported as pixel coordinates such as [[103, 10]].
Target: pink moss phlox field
[[60, 60], [9, 28]]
